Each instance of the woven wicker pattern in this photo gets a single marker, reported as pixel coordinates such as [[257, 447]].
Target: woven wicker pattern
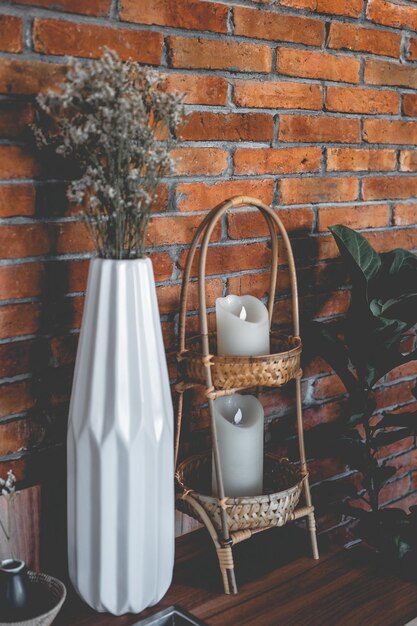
[[282, 487], [237, 372], [56, 590]]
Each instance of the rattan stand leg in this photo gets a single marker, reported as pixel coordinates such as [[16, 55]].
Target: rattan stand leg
[[227, 568], [224, 553], [311, 521]]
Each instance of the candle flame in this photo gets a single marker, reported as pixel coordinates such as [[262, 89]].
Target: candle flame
[[243, 313], [238, 417]]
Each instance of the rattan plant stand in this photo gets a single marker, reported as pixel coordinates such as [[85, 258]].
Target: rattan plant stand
[[232, 520]]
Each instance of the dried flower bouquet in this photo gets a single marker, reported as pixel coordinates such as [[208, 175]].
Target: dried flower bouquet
[[118, 124]]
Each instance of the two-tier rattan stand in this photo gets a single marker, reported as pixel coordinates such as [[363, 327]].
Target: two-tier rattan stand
[[232, 520]]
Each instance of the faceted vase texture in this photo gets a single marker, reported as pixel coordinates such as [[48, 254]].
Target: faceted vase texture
[[120, 445]]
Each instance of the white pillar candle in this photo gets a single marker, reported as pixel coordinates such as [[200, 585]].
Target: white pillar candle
[[242, 326], [240, 433]]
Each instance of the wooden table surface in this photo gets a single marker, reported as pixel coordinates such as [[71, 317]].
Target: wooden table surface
[[279, 586]]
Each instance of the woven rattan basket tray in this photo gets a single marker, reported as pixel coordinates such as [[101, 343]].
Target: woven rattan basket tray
[[49, 593], [242, 372], [282, 487]]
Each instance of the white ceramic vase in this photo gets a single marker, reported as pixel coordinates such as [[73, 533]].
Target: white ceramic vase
[[120, 445]]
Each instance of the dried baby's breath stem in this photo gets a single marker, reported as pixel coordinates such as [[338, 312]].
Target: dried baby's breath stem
[[117, 122]]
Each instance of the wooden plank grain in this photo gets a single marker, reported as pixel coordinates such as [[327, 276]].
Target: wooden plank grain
[[279, 584]]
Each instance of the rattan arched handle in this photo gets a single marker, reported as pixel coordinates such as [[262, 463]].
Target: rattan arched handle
[[213, 217], [212, 220]]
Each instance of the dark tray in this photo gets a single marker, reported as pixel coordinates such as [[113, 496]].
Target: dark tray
[[172, 616]]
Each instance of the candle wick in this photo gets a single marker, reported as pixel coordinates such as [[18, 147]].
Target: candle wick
[[238, 417], [242, 313]]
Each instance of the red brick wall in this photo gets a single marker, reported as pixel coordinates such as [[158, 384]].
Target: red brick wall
[[310, 105]]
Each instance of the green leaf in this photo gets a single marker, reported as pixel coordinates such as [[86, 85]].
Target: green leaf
[[403, 308], [407, 420], [353, 452], [356, 512], [386, 439], [397, 275], [380, 475], [359, 254]]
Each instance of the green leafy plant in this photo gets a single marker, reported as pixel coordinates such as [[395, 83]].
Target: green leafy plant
[[362, 350]]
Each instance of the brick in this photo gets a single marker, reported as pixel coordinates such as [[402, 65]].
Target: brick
[[412, 50], [252, 224], [210, 54], [92, 7], [198, 89], [19, 319], [395, 448], [25, 280], [350, 8], [169, 296], [204, 126], [406, 503], [278, 95], [277, 161], [359, 39], [16, 358], [175, 230], [63, 277], [405, 214], [15, 398], [390, 131], [371, 216], [403, 371], [389, 187], [191, 14], [70, 237], [277, 27], [316, 366], [14, 118], [17, 200], [391, 14], [360, 159], [162, 265], [319, 129], [410, 104], [322, 65], [394, 490], [204, 196], [17, 162], [63, 350], [26, 240], [232, 258], [356, 100], [88, 40], [29, 77], [313, 306], [328, 387], [11, 33], [408, 161], [299, 4], [390, 73], [194, 161], [382, 241], [257, 284], [317, 190], [21, 434]]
